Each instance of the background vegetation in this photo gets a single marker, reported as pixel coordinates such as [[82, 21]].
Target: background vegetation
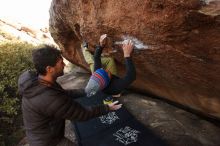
[[15, 57]]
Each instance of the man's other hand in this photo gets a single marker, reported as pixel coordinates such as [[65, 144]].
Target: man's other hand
[[114, 106]]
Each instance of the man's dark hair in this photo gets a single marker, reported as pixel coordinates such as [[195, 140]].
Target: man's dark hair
[[45, 56]]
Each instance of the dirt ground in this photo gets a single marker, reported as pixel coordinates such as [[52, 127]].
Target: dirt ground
[[175, 125]]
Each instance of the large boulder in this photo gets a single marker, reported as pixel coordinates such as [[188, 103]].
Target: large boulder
[[177, 43]]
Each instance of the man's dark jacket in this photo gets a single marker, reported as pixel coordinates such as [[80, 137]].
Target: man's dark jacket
[[45, 107]]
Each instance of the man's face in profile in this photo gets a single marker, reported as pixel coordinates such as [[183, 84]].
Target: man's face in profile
[[59, 68]]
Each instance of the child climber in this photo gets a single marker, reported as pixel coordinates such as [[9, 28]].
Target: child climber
[[106, 78]]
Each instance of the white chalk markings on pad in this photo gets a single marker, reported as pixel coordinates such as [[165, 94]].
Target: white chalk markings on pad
[[109, 118], [126, 135]]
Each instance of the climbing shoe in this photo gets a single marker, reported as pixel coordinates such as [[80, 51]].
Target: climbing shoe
[[84, 45]]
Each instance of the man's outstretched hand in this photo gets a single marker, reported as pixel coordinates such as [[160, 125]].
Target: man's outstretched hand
[[127, 48], [114, 106]]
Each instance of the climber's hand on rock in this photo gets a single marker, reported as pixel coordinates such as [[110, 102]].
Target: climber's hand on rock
[[103, 40], [127, 48]]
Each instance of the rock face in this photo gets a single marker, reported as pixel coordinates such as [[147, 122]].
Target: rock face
[[177, 43]]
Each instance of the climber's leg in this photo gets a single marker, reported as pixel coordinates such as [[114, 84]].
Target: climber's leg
[[88, 57], [108, 63]]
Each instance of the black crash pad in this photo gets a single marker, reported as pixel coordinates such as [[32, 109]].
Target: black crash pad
[[117, 128]]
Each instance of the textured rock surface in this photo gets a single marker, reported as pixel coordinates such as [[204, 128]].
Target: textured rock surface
[[177, 43]]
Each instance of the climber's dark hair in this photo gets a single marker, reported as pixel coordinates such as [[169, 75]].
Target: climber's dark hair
[[45, 56]]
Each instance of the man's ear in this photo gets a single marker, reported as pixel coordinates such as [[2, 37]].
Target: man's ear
[[49, 69]]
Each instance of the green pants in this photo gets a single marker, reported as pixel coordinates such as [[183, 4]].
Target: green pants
[[108, 63]]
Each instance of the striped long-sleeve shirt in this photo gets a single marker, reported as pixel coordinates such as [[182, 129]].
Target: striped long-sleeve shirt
[[117, 84]]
